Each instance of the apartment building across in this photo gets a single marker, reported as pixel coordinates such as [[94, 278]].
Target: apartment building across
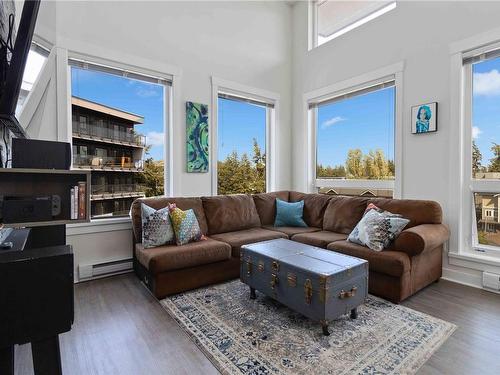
[[106, 142]]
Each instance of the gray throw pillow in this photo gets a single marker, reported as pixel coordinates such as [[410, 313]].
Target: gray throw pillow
[[377, 229], [157, 229]]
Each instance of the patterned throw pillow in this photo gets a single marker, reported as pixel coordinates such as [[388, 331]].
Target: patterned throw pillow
[[377, 228], [156, 227], [185, 225]]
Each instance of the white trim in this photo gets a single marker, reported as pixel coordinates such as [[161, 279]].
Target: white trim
[[63, 96], [312, 23], [272, 123], [462, 278], [475, 41], [477, 262], [99, 226], [168, 186], [37, 92], [361, 184], [82, 50], [463, 242], [394, 71]]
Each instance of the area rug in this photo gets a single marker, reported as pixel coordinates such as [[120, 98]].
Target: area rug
[[244, 336]]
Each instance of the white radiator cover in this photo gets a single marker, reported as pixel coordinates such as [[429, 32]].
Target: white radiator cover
[[491, 281], [90, 271]]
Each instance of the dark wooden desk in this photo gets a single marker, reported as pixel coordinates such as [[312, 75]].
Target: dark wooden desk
[[36, 295]]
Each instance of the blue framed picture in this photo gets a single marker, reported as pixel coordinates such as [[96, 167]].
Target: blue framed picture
[[424, 118]]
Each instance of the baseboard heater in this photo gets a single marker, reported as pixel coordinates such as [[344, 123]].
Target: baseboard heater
[[491, 281], [89, 271]]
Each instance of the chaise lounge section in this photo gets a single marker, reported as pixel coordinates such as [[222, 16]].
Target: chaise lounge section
[[412, 261]]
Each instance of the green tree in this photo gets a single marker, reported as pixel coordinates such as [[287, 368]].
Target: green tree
[[152, 177], [495, 161], [242, 174], [477, 157], [354, 164]]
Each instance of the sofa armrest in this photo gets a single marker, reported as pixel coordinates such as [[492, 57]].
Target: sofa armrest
[[420, 238]]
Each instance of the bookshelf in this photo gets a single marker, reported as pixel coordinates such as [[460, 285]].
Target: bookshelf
[[26, 182]]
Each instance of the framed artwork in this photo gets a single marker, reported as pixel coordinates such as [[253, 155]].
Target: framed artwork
[[197, 137], [424, 118]]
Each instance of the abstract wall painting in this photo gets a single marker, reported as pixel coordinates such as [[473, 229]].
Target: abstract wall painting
[[197, 137], [424, 118]]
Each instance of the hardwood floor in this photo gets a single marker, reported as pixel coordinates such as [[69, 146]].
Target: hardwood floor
[[121, 329]]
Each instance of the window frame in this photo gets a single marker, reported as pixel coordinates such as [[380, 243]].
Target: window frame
[[272, 122], [64, 104], [470, 184], [393, 72], [352, 22]]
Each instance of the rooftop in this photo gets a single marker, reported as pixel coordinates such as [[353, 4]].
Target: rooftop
[[115, 112]]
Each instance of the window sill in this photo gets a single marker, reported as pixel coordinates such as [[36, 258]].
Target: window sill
[[475, 261], [99, 226]]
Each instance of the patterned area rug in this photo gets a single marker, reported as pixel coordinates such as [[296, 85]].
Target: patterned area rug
[[243, 336]]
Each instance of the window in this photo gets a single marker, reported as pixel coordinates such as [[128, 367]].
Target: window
[[242, 128], [119, 134], [354, 140], [37, 57], [330, 19], [482, 109]]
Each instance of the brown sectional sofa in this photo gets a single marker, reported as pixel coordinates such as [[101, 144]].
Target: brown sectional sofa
[[411, 262]]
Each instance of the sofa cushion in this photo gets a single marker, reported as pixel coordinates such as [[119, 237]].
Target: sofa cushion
[[161, 202], [246, 236], [319, 239], [290, 231], [314, 207], [393, 263], [266, 205], [343, 213], [228, 213], [417, 211], [172, 257]]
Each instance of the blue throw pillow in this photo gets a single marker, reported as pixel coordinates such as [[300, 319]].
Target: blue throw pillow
[[289, 214]]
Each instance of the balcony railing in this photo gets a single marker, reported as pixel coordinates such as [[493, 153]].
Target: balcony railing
[[106, 162], [117, 189], [108, 135]]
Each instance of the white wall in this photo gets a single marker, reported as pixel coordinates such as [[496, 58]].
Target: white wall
[[245, 42], [419, 34]]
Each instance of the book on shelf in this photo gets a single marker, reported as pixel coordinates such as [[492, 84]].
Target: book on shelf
[[78, 204]]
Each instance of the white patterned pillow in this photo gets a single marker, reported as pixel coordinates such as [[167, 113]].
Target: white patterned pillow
[[377, 229], [157, 229]]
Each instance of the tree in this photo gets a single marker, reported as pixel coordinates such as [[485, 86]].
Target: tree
[[381, 165], [354, 164], [152, 177], [242, 174], [476, 158], [495, 161]]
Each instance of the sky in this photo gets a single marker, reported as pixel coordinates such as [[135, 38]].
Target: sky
[[486, 106], [238, 124], [365, 122], [138, 97]]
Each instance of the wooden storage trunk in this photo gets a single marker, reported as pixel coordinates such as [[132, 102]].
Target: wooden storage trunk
[[320, 284]]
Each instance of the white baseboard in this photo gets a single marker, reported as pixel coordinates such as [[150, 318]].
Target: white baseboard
[[464, 278]]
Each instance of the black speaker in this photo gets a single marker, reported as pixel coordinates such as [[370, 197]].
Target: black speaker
[[33, 153]]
